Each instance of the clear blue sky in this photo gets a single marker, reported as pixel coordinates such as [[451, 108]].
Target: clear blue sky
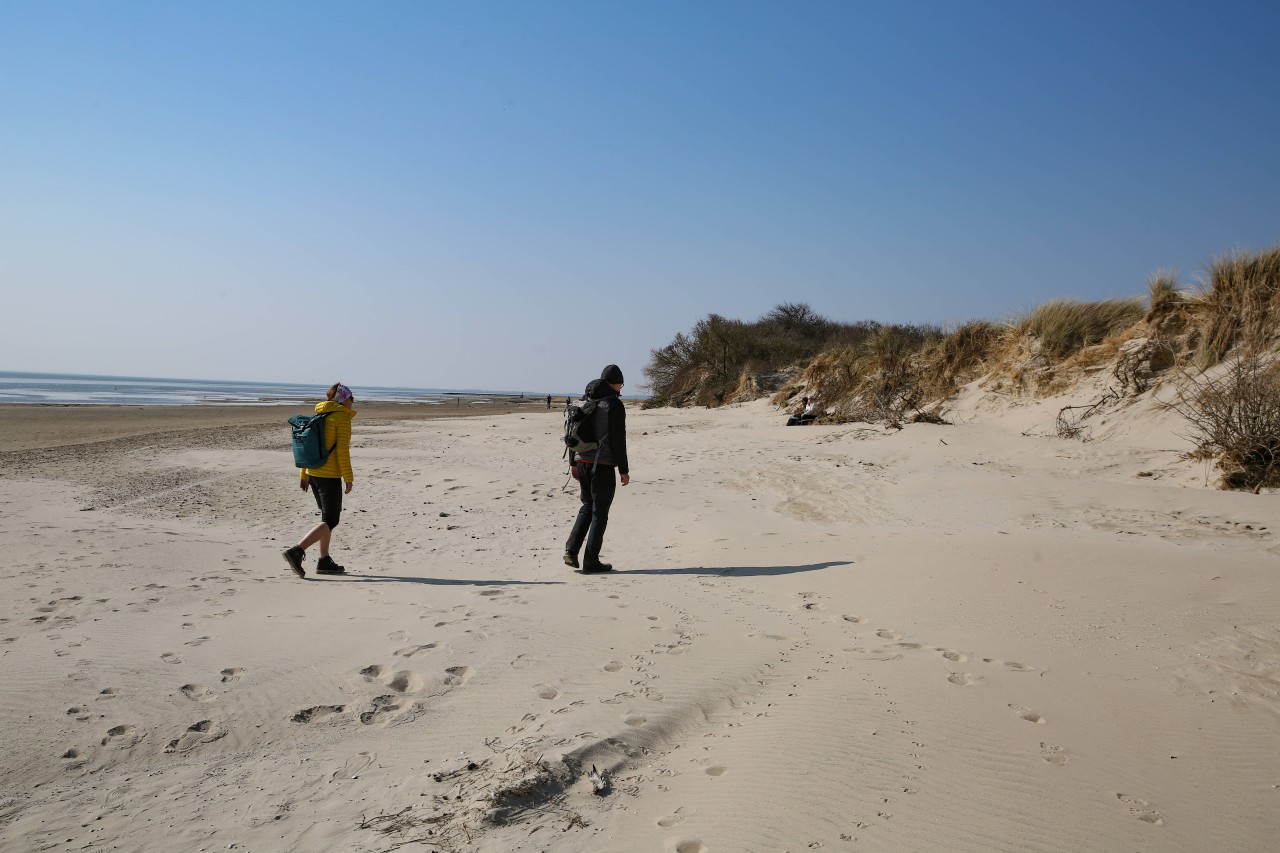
[[511, 195]]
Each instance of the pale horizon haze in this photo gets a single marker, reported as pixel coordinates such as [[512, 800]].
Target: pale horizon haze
[[512, 195]]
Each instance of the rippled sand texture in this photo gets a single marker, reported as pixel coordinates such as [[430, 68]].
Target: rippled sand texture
[[970, 637]]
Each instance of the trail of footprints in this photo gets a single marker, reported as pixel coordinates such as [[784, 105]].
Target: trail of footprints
[[405, 684], [896, 645], [125, 736]]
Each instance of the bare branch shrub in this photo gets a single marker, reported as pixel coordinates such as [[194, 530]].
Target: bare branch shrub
[[1236, 417], [1070, 425]]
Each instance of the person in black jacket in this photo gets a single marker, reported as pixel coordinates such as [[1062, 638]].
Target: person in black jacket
[[594, 472]]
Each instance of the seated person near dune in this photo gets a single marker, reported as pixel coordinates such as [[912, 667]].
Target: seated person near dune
[[806, 414]]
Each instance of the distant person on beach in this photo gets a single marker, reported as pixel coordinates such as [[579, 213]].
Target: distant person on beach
[[548, 402], [326, 482], [804, 415], [594, 471]]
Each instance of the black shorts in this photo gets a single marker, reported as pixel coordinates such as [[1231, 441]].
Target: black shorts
[[328, 492]]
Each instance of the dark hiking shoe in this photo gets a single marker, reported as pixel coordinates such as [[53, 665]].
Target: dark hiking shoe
[[598, 567], [293, 557], [571, 560], [326, 566]]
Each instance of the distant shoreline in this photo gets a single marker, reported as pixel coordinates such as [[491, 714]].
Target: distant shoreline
[[30, 426]]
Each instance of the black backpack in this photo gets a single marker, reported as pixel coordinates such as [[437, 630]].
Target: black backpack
[[580, 427]]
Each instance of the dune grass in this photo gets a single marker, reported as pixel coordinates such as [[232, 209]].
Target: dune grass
[[1238, 304], [1066, 326], [1162, 293]]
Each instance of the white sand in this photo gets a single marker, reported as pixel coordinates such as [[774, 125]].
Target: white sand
[[945, 638]]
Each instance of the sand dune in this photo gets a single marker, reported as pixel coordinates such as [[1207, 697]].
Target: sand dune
[[942, 638]]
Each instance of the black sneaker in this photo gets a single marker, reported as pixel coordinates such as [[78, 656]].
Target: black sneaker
[[598, 567], [326, 566], [571, 560], [293, 557]]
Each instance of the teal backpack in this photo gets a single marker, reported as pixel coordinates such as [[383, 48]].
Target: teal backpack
[[308, 440]]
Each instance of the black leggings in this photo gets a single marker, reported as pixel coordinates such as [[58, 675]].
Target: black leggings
[[328, 492]]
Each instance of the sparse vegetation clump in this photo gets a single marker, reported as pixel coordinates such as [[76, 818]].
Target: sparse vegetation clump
[[1064, 326], [722, 360], [892, 373], [1235, 417], [1163, 294], [958, 357], [1239, 304]]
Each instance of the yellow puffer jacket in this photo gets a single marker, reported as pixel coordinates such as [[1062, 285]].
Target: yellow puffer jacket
[[336, 426]]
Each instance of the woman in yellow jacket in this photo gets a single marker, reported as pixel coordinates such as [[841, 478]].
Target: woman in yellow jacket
[[326, 482]]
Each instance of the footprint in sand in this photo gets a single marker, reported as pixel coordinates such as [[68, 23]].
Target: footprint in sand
[[405, 681], [886, 634], [197, 734], [1027, 714], [635, 721], [490, 593], [198, 693], [456, 675], [963, 679], [170, 657], [857, 620], [75, 758], [317, 713], [198, 641], [1053, 754], [521, 662], [410, 651], [859, 653], [80, 712], [953, 656], [1141, 809], [382, 709], [123, 736], [1011, 666], [546, 691], [612, 666], [231, 674], [716, 770], [811, 601], [355, 765], [107, 693], [676, 818], [689, 846]]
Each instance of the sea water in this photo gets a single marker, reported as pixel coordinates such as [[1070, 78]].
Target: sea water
[[139, 391]]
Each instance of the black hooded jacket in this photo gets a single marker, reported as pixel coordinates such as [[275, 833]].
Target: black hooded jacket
[[611, 420]]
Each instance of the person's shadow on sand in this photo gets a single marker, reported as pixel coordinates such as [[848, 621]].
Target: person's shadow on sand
[[736, 571], [723, 571], [434, 581]]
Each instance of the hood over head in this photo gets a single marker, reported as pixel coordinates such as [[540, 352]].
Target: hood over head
[[598, 389]]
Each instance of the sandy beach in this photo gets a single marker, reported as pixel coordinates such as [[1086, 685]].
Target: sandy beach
[[965, 637]]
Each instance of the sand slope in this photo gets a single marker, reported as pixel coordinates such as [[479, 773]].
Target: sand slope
[[945, 638]]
